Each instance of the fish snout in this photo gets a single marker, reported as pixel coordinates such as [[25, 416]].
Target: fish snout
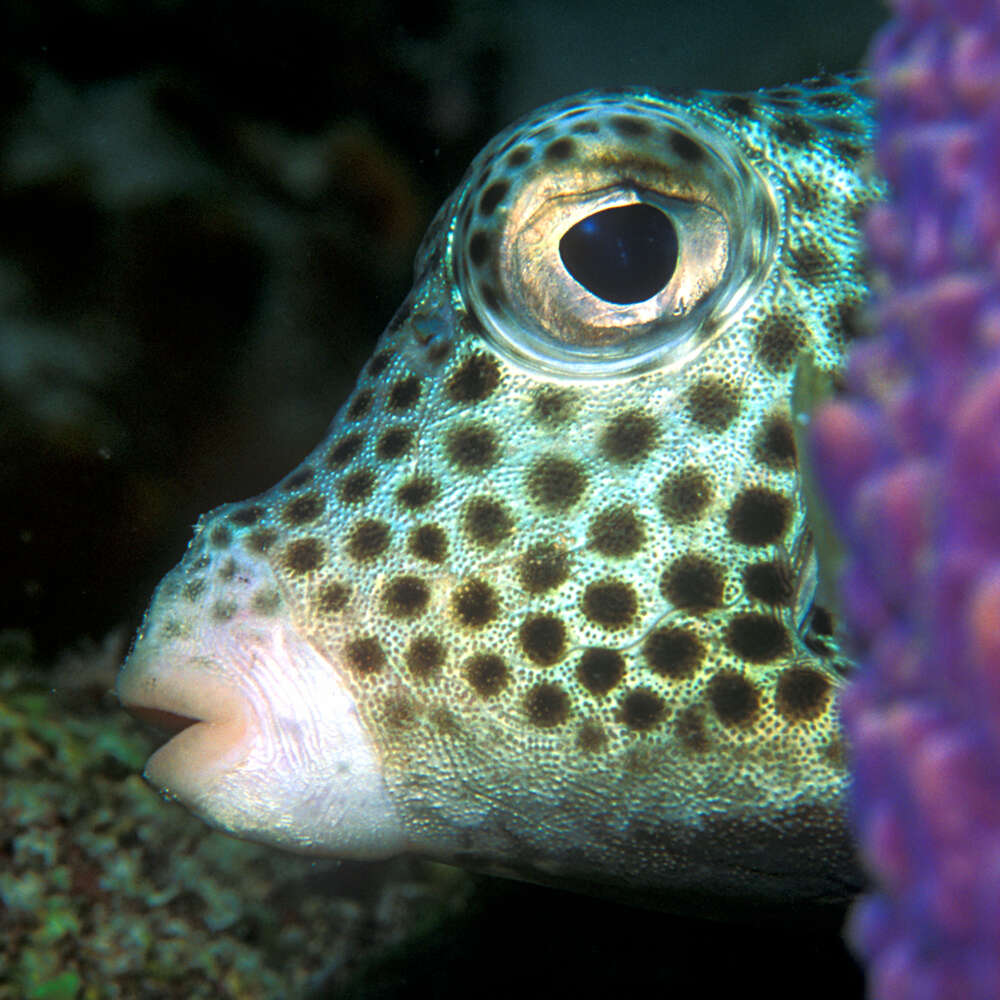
[[265, 739]]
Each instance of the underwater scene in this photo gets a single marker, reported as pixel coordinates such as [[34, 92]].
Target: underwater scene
[[499, 499]]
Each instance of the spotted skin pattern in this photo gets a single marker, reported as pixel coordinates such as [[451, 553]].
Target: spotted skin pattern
[[562, 563]]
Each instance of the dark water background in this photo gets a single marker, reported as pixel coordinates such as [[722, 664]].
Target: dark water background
[[207, 214]]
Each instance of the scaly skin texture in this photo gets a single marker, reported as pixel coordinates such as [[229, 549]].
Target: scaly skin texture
[[552, 566]]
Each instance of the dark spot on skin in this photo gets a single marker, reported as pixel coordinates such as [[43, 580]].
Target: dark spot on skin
[[802, 694], [365, 656], [642, 709], [630, 127], [822, 621], [758, 516], [733, 698], [261, 541], [591, 737], [561, 149], [438, 350], [404, 393], [547, 705], [398, 710], [472, 448], [417, 492], [770, 582], [776, 444], [811, 264], [552, 406], [833, 753], [586, 128], [520, 156], [406, 597], [610, 603], [492, 197], [757, 638], [735, 104], [379, 363], [629, 437], [222, 611], [305, 508], [833, 100], [394, 443], [712, 404], [616, 532], [265, 602], [600, 670], [361, 404], [357, 486], [227, 570], [474, 603], [779, 341], [816, 645], [794, 130], [555, 484], [686, 148], [367, 540], [474, 380], [543, 639], [693, 583], [193, 589], [424, 656], [487, 673], [851, 320], [344, 450], [673, 652], [690, 729], [297, 479], [479, 248], [486, 521], [543, 567], [429, 542], [333, 597], [245, 516], [304, 555], [219, 537], [805, 197], [685, 495], [841, 124], [850, 152]]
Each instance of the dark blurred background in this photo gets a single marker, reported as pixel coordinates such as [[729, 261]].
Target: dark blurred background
[[208, 212]]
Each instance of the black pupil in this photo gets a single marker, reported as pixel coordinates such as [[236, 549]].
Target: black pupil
[[622, 255]]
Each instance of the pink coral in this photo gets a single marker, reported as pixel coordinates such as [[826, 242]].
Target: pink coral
[[911, 464]]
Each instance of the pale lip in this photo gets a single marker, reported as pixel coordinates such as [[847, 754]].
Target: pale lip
[[209, 721]]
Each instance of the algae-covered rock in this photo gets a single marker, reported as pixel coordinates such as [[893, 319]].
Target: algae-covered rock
[[107, 891]]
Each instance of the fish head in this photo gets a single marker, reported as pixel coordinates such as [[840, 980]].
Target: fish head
[[542, 602]]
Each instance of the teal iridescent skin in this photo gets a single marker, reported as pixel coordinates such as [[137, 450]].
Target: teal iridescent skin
[[544, 600]]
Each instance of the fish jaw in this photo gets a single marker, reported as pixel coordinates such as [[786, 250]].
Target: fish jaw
[[269, 744]]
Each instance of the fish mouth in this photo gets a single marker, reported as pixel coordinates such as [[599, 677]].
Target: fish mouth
[[263, 739], [206, 722], [164, 722]]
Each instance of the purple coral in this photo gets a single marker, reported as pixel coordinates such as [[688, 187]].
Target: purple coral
[[910, 459]]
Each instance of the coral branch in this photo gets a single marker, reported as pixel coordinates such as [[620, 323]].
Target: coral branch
[[910, 460]]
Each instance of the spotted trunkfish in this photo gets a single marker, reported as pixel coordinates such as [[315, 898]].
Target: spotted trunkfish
[[544, 601]]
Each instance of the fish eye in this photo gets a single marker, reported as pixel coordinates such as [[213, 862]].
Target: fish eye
[[608, 236], [621, 255]]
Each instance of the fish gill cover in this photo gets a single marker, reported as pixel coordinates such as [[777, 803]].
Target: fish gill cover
[[911, 461]]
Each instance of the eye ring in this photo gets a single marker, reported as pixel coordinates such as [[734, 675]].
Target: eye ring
[[572, 163]]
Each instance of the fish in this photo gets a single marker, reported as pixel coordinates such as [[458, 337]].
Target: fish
[[545, 601]]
